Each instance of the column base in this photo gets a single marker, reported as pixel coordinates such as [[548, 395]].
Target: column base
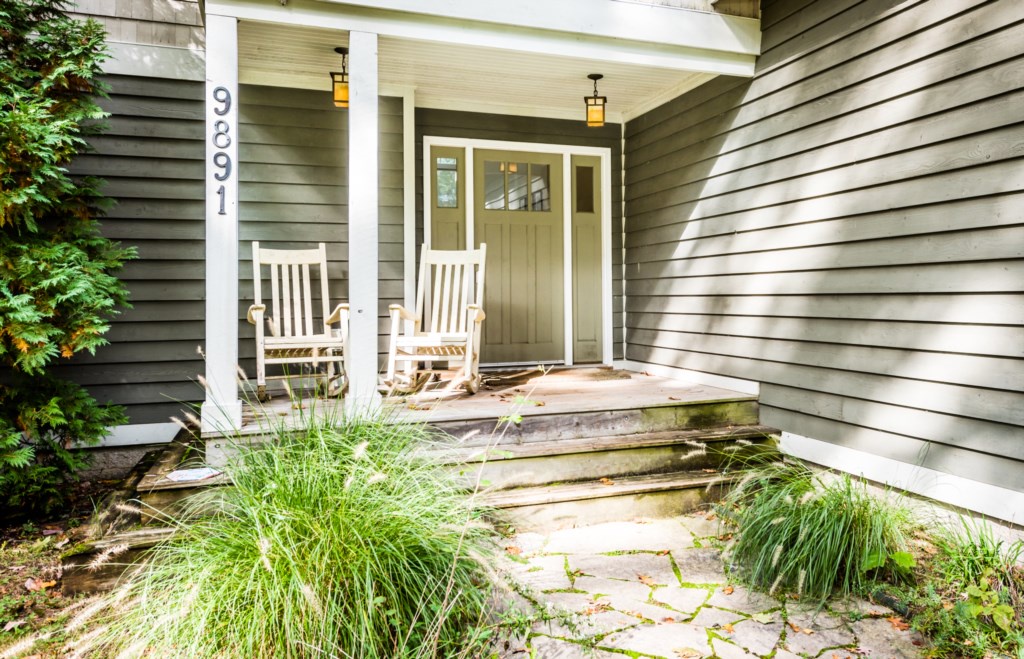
[[217, 417]]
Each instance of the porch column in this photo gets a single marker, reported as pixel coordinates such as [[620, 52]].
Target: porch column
[[222, 409], [363, 165]]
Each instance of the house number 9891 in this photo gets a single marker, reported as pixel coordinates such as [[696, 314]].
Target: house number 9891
[[222, 140]]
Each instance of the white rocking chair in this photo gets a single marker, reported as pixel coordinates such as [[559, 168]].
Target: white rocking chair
[[446, 325], [295, 336]]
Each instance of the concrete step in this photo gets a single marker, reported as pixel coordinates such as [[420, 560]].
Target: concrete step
[[651, 496], [509, 465], [624, 418]]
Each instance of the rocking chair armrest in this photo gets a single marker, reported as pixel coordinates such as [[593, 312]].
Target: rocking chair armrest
[[339, 315], [255, 314], [476, 313], [402, 312]]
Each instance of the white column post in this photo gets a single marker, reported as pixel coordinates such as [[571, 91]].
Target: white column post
[[363, 166], [222, 409]]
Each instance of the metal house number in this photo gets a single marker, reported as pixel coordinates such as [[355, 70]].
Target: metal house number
[[222, 140]]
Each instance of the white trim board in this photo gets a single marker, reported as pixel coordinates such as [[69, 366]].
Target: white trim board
[[138, 434], [566, 151], [997, 502], [698, 377]]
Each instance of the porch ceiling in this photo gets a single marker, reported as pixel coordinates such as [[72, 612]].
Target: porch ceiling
[[460, 77]]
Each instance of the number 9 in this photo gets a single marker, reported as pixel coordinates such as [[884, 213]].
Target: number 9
[[223, 161], [222, 95]]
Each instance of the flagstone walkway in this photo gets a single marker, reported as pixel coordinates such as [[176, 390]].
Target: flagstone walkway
[[659, 589]]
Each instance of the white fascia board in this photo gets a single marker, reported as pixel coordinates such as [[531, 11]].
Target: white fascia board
[[958, 491], [323, 15], [697, 377], [617, 20], [147, 61]]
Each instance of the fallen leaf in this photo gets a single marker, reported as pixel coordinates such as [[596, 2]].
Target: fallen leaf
[[673, 398], [763, 618], [668, 619], [809, 632], [34, 585], [663, 552], [710, 471], [14, 624], [599, 607], [968, 643], [635, 614], [728, 628], [947, 606], [538, 403], [898, 623], [711, 517], [646, 580], [61, 543], [606, 481], [728, 590], [513, 550], [687, 653], [794, 627]]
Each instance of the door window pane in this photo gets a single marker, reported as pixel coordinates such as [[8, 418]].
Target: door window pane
[[584, 189], [518, 175], [540, 188], [494, 185], [447, 183]]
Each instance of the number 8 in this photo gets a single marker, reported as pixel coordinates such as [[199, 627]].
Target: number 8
[[221, 128]]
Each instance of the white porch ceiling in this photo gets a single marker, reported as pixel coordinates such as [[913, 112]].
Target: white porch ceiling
[[460, 77]]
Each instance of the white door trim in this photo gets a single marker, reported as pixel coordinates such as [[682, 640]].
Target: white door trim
[[566, 151]]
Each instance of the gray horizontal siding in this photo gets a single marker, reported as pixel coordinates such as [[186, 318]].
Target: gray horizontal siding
[[293, 175], [847, 228], [152, 160], [472, 125]]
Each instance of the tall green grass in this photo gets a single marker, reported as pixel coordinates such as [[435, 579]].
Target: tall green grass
[[811, 535], [337, 542]]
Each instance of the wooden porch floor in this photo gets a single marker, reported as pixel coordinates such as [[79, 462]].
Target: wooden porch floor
[[526, 393]]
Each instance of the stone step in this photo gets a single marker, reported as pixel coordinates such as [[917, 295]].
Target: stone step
[[528, 464], [536, 425], [551, 507]]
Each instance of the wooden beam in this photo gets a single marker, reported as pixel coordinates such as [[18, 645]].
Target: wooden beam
[[222, 409], [363, 218]]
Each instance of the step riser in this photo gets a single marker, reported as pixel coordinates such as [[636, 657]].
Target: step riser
[[546, 517], [550, 427], [544, 470]]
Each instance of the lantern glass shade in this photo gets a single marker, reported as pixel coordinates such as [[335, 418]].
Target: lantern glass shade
[[339, 84], [595, 110]]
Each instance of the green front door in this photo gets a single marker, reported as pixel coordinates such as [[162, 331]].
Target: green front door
[[518, 212]]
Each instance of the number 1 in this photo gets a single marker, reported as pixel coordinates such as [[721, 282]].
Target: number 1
[[220, 191]]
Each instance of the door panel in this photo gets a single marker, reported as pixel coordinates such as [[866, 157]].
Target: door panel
[[519, 213], [585, 203]]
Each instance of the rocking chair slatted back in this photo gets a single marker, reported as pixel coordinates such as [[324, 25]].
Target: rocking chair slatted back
[[291, 289], [449, 281]]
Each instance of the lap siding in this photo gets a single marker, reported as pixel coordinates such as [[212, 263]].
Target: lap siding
[[846, 229]]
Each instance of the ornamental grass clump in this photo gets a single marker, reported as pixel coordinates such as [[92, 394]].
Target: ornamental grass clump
[[813, 535], [336, 542]]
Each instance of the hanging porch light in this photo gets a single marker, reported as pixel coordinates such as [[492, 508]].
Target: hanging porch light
[[595, 104], [339, 80]]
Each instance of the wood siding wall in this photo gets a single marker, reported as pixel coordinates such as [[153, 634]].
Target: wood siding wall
[[473, 125], [176, 23], [846, 229], [152, 159], [293, 191]]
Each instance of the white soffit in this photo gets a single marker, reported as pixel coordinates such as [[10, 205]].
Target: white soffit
[[460, 77]]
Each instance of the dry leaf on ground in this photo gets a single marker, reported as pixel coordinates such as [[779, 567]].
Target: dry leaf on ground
[[687, 653], [606, 481], [728, 590], [513, 550], [646, 580], [898, 623]]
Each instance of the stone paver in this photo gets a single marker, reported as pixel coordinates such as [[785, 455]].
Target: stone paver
[[613, 587], [684, 600], [629, 567]]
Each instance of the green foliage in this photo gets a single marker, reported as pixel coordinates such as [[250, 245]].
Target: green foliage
[[338, 541], [57, 290], [812, 534], [969, 597]]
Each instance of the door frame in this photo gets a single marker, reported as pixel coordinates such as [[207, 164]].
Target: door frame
[[566, 151]]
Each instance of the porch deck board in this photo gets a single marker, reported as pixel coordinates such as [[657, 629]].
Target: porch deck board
[[528, 393]]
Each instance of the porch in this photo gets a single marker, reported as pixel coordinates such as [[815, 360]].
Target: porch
[[353, 178]]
